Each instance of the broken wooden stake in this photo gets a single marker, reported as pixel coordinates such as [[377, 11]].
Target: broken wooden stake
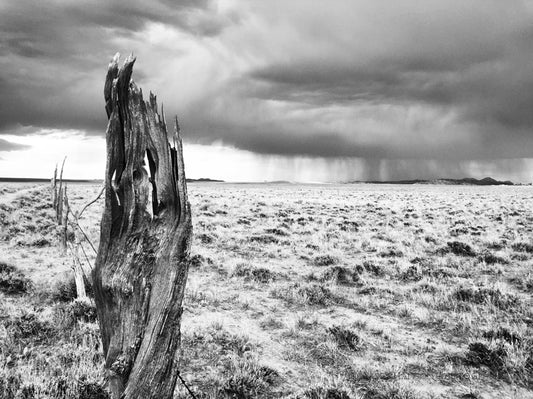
[[142, 262]]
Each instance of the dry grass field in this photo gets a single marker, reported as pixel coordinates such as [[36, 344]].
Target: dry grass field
[[295, 291]]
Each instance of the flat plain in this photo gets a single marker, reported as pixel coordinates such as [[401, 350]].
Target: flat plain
[[296, 291]]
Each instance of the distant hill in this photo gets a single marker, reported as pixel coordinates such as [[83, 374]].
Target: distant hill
[[94, 181], [467, 181], [39, 180], [204, 180]]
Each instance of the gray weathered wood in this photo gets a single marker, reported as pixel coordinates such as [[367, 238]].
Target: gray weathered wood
[[142, 262], [53, 182]]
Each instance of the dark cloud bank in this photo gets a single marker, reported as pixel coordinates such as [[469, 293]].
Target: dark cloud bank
[[435, 80], [6, 145]]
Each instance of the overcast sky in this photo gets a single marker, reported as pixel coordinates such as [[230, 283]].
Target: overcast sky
[[303, 90]]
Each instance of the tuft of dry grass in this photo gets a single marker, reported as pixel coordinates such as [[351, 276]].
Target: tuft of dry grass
[[305, 294], [257, 274], [12, 280]]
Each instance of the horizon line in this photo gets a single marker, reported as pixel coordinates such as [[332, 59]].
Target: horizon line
[[4, 179]]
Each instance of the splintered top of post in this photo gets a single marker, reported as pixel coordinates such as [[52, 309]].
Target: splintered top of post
[[130, 59], [137, 131], [114, 61]]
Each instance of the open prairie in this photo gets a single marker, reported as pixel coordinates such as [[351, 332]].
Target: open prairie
[[296, 291]]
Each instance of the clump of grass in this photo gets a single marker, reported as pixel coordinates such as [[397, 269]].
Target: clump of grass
[[315, 294], [413, 273], [426, 287], [69, 314], [198, 260], [264, 239], [340, 275], [369, 290], [10, 385], [38, 242], [64, 290], [248, 380], [206, 238], [404, 311], [258, 274], [490, 258], [277, 232], [373, 268], [348, 225], [504, 334], [28, 328], [306, 322], [522, 247], [325, 260], [320, 392], [382, 372], [308, 294], [486, 296], [55, 387], [497, 245], [270, 323], [13, 281], [391, 390], [460, 248], [346, 338], [519, 256], [226, 341], [83, 310], [524, 282], [391, 253], [506, 353], [482, 354], [91, 390]]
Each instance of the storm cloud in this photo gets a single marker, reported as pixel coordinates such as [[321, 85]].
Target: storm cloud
[[54, 56], [6, 145], [432, 81]]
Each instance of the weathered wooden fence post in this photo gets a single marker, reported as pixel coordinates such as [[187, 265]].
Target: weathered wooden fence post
[[59, 194], [60, 204], [142, 262], [53, 183], [65, 207]]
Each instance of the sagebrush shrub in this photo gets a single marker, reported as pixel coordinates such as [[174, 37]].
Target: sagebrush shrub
[[322, 393], [248, 380], [486, 296], [258, 274], [460, 248], [12, 281], [341, 275], [67, 315], [28, 327], [346, 338], [325, 260]]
